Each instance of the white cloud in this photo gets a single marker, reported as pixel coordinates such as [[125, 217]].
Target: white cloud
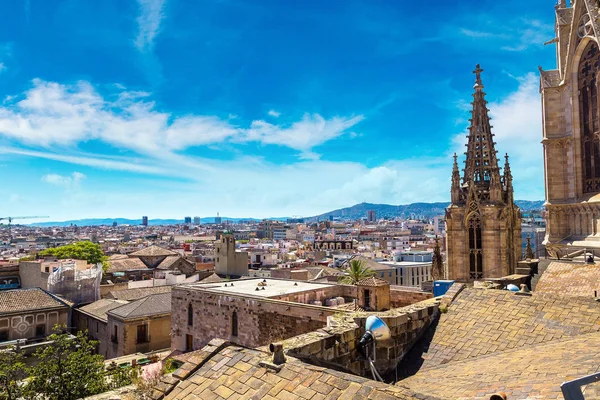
[[302, 135], [274, 113], [64, 181], [2, 67], [55, 114], [518, 34], [151, 14]]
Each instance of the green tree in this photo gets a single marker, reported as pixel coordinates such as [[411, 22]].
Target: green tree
[[356, 272], [68, 369], [12, 372], [79, 251]]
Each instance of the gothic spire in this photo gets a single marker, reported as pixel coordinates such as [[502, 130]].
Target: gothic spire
[[455, 190], [508, 186], [528, 250], [481, 164]]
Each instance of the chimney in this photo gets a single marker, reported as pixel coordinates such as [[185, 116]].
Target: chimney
[[277, 350]]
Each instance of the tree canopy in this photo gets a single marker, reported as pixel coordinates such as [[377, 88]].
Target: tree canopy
[[79, 251], [67, 369], [357, 271]]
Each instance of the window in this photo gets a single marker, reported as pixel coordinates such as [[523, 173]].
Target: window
[[40, 330], [588, 112], [382, 274], [475, 251], [234, 324], [114, 336], [189, 343], [390, 274], [190, 315], [3, 336], [142, 333]]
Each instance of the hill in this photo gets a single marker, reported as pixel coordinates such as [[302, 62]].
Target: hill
[[425, 210]]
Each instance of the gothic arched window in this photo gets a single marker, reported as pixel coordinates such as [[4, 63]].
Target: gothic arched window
[[475, 251], [234, 324], [588, 104]]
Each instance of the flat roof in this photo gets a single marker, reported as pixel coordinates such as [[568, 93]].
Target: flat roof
[[406, 263], [273, 287]]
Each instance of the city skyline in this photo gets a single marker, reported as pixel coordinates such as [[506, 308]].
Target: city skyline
[[151, 108]]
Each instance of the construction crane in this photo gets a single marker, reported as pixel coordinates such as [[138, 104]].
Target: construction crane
[[10, 219]]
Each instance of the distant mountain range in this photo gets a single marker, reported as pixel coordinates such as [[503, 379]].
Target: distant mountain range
[[125, 221], [425, 210]]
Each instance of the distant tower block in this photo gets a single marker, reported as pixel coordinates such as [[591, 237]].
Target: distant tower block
[[196, 220], [145, 220], [371, 216], [217, 219], [187, 220], [483, 224]]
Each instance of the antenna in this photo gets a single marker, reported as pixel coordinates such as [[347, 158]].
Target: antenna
[[376, 330]]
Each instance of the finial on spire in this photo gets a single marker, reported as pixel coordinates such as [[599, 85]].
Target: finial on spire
[[529, 255], [477, 72]]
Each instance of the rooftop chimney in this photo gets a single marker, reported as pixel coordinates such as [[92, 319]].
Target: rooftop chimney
[[277, 350]]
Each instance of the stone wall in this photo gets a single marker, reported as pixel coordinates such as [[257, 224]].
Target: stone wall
[[335, 346], [260, 320], [404, 297]]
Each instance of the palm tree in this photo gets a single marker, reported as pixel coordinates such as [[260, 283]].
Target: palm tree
[[357, 271]]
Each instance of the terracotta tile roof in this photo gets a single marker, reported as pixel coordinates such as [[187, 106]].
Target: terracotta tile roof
[[155, 304], [12, 301], [153, 251], [570, 279], [126, 264], [213, 278], [168, 262], [532, 372], [98, 309], [236, 373], [135, 294], [373, 282], [480, 322]]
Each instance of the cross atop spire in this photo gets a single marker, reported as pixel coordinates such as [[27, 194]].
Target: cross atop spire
[[477, 72]]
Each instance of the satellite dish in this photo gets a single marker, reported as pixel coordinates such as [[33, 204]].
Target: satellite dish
[[512, 288]]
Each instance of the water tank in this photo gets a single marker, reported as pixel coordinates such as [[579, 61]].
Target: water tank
[[441, 287]]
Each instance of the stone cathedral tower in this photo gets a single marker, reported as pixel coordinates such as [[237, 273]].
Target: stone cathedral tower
[[483, 224], [571, 129]]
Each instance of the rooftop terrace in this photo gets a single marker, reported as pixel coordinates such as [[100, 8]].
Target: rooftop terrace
[[266, 287]]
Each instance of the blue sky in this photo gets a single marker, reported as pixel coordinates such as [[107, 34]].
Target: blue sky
[[170, 108]]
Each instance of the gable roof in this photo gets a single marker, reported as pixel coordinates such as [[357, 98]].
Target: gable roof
[[12, 301], [153, 251], [372, 282], [155, 304], [139, 293], [126, 264], [168, 262], [98, 309], [570, 279], [237, 372]]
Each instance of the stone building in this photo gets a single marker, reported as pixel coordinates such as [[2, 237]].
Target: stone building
[[30, 314], [483, 224], [571, 130], [228, 261], [256, 312]]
